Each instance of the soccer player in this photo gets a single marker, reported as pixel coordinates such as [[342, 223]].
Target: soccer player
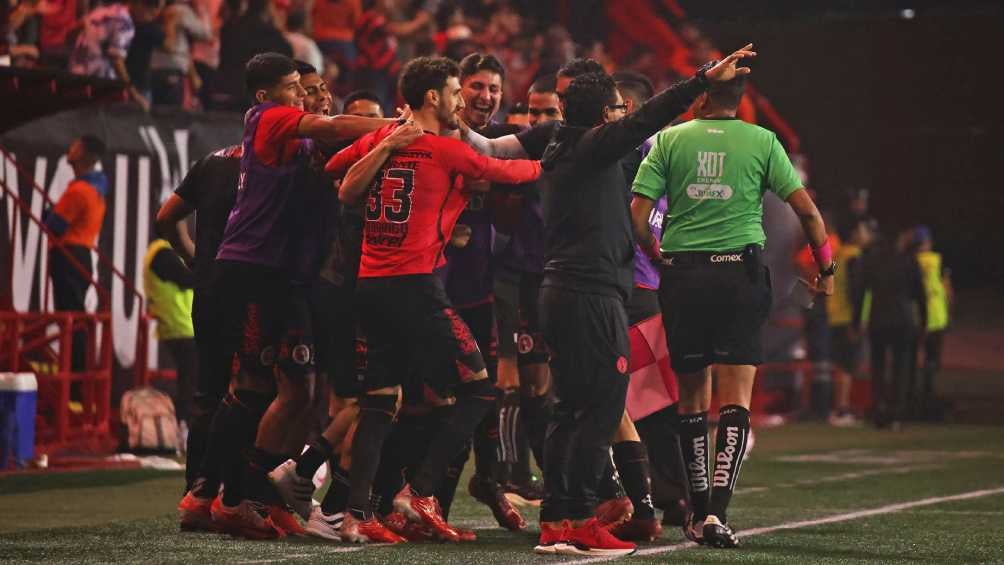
[[209, 189], [714, 288], [412, 206], [469, 277], [588, 275], [267, 326]]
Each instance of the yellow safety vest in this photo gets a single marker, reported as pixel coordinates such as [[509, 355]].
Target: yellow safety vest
[[937, 298], [170, 304], [840, 306]]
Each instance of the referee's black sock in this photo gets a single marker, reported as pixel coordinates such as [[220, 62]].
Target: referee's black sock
[[631, 459], [474, 399], [694, 442], [376, 416], [730, 447], [311, 460]]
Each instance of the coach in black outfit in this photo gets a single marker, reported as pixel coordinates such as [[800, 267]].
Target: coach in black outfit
[[588, 275]]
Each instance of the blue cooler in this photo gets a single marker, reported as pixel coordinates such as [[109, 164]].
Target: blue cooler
[[18, 395]]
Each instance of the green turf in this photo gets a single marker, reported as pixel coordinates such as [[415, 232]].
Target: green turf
[[798, 472]]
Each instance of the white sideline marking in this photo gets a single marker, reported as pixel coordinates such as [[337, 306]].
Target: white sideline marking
[[888, 509], [841, 477], [303, 555]]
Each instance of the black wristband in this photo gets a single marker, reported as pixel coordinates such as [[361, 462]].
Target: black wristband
[[701, 73]]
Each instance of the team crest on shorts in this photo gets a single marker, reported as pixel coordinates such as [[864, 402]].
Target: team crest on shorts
[[301, 354], [267, 357], [524, 343], [622, 365]]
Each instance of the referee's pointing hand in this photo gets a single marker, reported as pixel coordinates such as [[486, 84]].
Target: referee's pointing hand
[[726, 69]]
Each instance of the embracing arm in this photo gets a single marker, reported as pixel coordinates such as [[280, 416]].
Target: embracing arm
[[360, 175], [505, 147], [332, 129]]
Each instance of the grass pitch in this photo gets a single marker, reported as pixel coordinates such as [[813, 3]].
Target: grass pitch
[[808, 494]]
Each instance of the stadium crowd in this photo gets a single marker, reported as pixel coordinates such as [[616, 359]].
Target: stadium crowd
[[443, 301]]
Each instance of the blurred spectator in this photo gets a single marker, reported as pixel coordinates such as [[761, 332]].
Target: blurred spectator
[[817, 328], [147, 37], [104, 42], [168, 285], [172, 61], [59, 19], [363, 103], [241, 38], [938, 287], [846, 341], [335, 22], [519, 115], [897, 317], [76, 221], [377, 63], [304, 48], [206, 54]]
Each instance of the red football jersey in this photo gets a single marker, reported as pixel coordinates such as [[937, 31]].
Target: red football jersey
[[416, 198]]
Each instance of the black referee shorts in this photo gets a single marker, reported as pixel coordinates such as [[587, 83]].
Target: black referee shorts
[[409, 322], [714, 306]]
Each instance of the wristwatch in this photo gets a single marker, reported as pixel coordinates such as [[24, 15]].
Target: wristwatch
[[829, 271], [701, 73]]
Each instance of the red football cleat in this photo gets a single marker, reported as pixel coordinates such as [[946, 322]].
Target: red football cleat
[[411, 531], [614, 511], [195, 513], [637, 529], [593, 539], [551, 536], [247, 520], [367, 531], [488, 492], [285, 520], [424, 509], [466, 535]]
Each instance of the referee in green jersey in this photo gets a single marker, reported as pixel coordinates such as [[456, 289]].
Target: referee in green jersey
[[715, 290]]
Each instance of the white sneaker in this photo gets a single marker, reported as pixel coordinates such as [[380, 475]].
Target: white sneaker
[[845, 420], [296, 491], [326, 526]]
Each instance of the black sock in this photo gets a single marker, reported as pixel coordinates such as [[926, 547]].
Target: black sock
[[693, 430], [217, 443], [631, 458], [610, 486], [730, 447], [238, 429], [197, 447], [448, 487], [311, 460], [256, 484], [486, 444], [474, 400], [338, 491], [536, 412], [376, 416]]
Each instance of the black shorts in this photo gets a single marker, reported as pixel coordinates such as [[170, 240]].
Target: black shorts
[[334, 321], [587, 335], [266, 320], [410, 324], [518, 317], [714, 309], [847, 352], [643, 305]]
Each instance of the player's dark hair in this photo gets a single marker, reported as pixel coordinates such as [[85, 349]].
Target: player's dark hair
[[264, 70], [305, 68], [586, 97], [424, 74], [477, 62], [296, 20], [360, 95], [519, 108], [727, 94], [544, 85], [580, 66], [634, 85], [93, 146]]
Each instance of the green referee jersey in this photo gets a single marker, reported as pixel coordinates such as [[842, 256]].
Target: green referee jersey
[[715, 173]]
